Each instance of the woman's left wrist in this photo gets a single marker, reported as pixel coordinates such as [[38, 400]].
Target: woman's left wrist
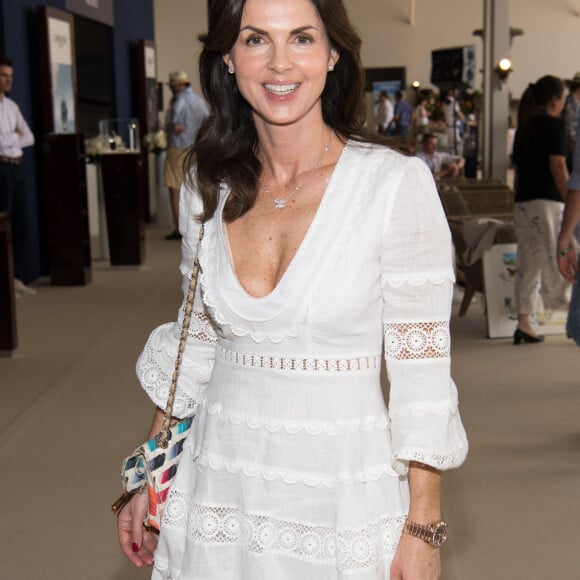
[[564, 247]]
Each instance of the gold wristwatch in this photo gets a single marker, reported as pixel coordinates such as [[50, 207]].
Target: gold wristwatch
[[434, 534]]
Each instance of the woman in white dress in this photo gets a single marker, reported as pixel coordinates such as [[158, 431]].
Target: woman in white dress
[[322, 248]]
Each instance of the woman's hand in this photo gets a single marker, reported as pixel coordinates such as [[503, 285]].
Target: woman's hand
[[137, 542], [415, 560], [567, 263]]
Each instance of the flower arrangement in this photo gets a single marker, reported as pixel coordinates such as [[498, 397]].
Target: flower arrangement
[[155, 142]]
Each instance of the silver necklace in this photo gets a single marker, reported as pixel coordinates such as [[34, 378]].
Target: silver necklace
[[280, 202]]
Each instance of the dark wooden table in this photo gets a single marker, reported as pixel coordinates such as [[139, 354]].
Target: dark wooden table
[[8, 334]]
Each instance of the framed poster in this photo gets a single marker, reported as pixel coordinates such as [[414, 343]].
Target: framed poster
[[58, 72], [99, 10], [499, 271], [148, 89]]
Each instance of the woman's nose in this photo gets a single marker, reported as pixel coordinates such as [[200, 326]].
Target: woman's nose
[[280, 60]]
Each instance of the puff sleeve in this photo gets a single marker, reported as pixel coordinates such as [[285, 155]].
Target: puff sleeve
[[417, 284], [156, 362]]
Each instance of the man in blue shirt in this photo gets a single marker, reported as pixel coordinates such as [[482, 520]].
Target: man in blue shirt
[[186, 114], [401, 122]]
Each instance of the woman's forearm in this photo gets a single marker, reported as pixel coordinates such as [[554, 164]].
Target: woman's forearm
[[560, 174], [425, 493], [571, 217]]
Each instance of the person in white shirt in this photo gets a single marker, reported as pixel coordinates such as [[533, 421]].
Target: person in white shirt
[[385, 112], [453, 120], [441, 164], [420, 119], [15, 135]]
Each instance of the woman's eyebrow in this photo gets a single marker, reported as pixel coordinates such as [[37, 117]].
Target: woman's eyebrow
[[265, 33]]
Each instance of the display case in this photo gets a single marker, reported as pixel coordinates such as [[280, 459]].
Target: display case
[[120, 136], [124, 181], [67, 209]]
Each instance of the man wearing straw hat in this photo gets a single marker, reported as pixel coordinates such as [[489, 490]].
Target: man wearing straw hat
[[186, 114]]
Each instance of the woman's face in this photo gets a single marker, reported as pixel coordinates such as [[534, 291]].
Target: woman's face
[[559, 103], [281, 60]]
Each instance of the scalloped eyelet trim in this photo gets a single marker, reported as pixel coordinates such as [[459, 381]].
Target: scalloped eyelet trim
[[372, 473], [237, 331], [417, 281], [441, 462], [273, 425]]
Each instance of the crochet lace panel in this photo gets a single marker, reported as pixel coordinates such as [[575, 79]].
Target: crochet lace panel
[[156, 383], [442, 462], [156, 380], [346, 549], [200, 328], [306, 364], [417, 340]]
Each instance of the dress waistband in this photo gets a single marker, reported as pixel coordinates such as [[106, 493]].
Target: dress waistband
[[299, 363]]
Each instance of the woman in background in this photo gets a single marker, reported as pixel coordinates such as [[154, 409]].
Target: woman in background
[[541, 183], [420, 119]]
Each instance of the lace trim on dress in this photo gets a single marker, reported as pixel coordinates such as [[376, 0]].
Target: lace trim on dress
[[215, 302], [443, 462], [417, 340], [418, 280], [347, 549], [256, 336], [372, 473], [200, 328], [156, 382], [278, 332], [307, 364], [292, 427]]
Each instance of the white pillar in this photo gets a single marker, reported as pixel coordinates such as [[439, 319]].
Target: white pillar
[[496, 45]]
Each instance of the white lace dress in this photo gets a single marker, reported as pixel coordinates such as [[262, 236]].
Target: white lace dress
[[295, 467]]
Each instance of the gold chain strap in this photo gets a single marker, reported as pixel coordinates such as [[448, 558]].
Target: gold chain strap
[[163, 437]]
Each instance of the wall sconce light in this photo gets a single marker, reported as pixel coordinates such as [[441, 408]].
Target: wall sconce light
[[503, 68], [415, 85]]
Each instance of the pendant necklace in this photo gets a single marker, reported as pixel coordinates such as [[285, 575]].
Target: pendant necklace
[[280, 202]]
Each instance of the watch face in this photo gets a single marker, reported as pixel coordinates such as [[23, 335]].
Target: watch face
[[440, 534]]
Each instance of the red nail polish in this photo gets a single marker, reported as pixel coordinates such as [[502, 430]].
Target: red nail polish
[[135, 547]]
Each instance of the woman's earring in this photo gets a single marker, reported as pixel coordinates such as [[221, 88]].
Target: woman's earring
[[231, 69], [330, 67]]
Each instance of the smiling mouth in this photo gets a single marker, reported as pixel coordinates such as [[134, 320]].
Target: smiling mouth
[[281, 89]]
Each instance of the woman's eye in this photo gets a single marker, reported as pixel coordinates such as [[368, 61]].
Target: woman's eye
[[254, 40], [304, 39]]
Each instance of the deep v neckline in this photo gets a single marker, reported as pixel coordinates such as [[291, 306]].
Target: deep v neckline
[[301, 247]]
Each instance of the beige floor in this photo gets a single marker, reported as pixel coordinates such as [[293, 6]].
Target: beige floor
[[71, 408]]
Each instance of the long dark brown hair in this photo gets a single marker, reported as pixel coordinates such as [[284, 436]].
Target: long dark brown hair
[[226, 146], [535, 98]]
